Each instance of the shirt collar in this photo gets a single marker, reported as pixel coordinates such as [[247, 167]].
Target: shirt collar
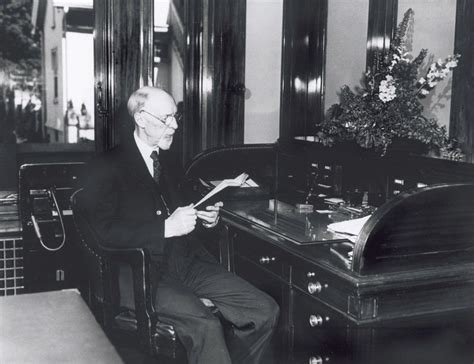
[[145, 149]]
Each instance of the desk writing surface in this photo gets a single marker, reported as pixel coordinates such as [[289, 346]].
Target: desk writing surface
[[299, 228], [51, 327]]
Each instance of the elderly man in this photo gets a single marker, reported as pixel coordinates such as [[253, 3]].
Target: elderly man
[[136, 202]]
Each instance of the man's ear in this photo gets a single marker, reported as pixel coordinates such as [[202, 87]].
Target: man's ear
[[139, 119]]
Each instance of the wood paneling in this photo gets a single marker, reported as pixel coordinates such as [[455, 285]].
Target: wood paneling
[[303, 59], [124, 55], [192, 79], [381, 29], [462, 107], [104, 128], [214, 74], [226, 68]]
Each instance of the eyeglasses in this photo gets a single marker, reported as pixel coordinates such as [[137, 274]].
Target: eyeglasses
[[165, 119]]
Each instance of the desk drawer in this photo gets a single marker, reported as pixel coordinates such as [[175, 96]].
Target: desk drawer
[[311, 279], [320, 284], [263, 254], [318, 330]]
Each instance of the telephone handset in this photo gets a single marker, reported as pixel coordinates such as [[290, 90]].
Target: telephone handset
[[44, 208]]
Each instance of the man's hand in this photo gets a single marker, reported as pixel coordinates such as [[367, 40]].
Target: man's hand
[[210, 217], [181, 222]]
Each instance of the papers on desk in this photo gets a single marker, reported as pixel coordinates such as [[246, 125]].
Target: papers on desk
[[249, 182], [350, 228], [236, 182], [333, 200]]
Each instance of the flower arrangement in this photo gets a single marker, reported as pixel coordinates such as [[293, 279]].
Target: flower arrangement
[[388, 106]]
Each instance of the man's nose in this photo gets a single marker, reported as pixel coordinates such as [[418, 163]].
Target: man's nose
[[173, 124]]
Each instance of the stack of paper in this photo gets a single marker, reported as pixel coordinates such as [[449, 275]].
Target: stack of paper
[[350, 227]]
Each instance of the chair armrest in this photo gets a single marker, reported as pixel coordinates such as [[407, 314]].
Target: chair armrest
[[139, 260], [135, 257]]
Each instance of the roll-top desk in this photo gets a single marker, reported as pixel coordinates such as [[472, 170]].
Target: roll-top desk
[[402, 291]]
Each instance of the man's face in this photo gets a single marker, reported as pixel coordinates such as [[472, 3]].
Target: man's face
[[157, 122]]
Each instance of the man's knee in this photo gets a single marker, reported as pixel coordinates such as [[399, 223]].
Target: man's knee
[[269, 312], [208, 326], [199, 331]]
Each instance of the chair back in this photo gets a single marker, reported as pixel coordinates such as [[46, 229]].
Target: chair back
[[97, 265]]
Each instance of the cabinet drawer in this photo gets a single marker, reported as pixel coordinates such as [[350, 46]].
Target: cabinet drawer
[[310, 279], [276, 289], [261, 279], [318, 283], [261, 253], [318, 330]]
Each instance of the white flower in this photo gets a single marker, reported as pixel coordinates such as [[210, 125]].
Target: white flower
[[424, 92], [422, 80], [387, 89], [452, 64], [432, 83]]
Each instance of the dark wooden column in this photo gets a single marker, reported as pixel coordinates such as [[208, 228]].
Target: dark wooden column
[[303, 65], [381, 29], [461, 124], [225, 68], [214, 70], [123, 63], [191, 124]]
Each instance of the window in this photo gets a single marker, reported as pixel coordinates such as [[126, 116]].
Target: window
[[50, 81]]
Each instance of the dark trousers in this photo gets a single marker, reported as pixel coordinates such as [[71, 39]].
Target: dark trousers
[[252, 314]]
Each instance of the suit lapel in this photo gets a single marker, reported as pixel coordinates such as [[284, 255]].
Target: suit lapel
[[135, 166], [168, 182]]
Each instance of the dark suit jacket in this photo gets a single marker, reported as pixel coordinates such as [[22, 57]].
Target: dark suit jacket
[[126, 207]]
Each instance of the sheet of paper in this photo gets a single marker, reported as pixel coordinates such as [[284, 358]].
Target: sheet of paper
[[236, 182], [248, 183], [204, 183], [352, 227], [333, 200]]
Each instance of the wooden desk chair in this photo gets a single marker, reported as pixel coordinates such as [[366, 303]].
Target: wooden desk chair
[[141, 324]]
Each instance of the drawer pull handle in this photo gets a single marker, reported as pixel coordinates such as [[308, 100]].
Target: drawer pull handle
[[315, 360], [314, 287], [315, 320], [266, 260]]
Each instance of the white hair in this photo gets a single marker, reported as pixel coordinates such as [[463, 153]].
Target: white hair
[[138, 99]]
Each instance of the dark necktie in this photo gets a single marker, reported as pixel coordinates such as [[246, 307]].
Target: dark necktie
[[156, 166]]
